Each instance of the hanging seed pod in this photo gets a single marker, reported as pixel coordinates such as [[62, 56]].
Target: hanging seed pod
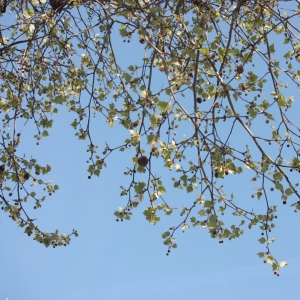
[[143, 161], [240, 69]]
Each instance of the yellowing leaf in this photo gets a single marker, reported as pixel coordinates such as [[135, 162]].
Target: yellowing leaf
[[28, 13], [283, 264], [31, 27]]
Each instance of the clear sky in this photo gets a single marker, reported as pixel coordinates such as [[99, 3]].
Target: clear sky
[[127, 260]]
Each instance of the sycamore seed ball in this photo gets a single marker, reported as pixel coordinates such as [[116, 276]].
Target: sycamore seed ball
[[135, 124], [240, 69], [143, 161]]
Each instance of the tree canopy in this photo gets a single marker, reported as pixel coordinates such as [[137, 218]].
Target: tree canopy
[[207, 97]]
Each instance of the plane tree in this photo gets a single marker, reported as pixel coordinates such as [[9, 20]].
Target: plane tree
[[209, 93]]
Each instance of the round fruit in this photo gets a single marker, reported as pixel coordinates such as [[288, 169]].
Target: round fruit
[[143, 161], [240, 69], [135, 124]]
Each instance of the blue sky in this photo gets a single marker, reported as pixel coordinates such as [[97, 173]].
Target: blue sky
[[114, 260], [127, 260]]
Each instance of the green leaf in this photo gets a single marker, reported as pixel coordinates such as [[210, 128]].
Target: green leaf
[[235, 52], [49, 124], [281, 101], [262, 240], [163, 106], [191, 53], [275, 267], [204, 50], [207, 204], [161, 190], [149, 213], [246, 57], [189, 188], [176, 184], [252, 112], [59, 99], [45, 133], [222, 51], [167, 242], [53, 237], [165, 234], [127, 77], [46, 242], [161, 206], [212, 223], [289, 191], [260, 22], [272, 48], [261, 254], [279, 186], [139, 187], [201, 212], [253, 77], [226, 233], [151, 139], [193, 219], [141, 169]]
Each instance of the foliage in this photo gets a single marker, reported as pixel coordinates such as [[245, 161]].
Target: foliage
[[207, 95]]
